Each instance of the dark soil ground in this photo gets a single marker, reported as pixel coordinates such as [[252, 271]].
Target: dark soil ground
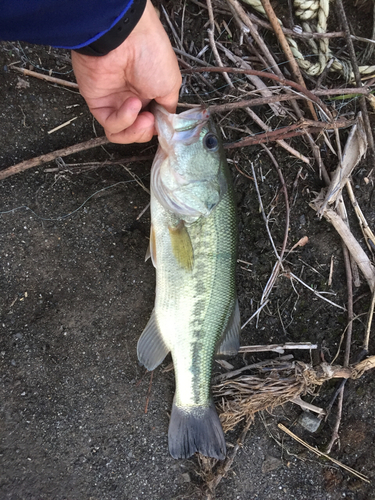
[[75, 294]]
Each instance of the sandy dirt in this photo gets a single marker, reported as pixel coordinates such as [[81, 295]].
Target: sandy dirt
[[79, 418]]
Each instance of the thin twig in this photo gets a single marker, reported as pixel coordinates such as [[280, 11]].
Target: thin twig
[[260, 364], [51, 79], [255, 314], [357, 75], [98, 164], [189, 56], [305, 34], [228, 462], [335, 433], [263, 74], [286, 48], [39, 160], [291, 275], [369, 323], [321, 454], [241, 16], [284, 133], [280, 348], [176, 37], [211, 32], [281, 143], [255, 80], [143, 211]]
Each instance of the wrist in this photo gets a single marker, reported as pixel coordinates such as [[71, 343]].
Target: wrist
[[118, 33]]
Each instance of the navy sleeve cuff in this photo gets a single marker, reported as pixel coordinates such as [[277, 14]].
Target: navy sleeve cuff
[[117, 34]]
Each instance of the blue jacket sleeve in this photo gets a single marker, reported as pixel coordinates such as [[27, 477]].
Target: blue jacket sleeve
[[70, 24]]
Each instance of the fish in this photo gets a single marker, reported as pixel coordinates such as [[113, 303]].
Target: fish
[[193, 246]]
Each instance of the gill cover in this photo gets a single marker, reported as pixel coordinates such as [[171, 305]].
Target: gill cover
[[187, 175]]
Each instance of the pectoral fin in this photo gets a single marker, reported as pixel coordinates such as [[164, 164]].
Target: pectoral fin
[[151, 250], [151, 348], [181, 246], [231, 341]]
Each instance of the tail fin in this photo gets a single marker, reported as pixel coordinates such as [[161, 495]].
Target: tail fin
[[196, 428]]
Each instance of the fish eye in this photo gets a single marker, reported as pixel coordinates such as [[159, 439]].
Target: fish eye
[[210, 142]]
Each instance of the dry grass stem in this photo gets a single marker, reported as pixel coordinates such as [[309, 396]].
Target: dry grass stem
[[137, 179], [293, 276], [279, 348], [239, 396], [369, 323], [256, 314], [321, 454], [308, 406], [366, 231], [352, 244], [62, 125]]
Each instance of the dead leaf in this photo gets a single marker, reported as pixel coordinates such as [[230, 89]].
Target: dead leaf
[[300, 243], [355, 148], [22, 84]]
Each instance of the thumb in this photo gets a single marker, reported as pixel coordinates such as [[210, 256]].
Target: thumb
[[169, 102]]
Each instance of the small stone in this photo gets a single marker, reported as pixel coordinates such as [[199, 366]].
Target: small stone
[[309, 421], [270, 464], [186, 477]]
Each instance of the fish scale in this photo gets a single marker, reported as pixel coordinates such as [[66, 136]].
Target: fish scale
[[204, 297]]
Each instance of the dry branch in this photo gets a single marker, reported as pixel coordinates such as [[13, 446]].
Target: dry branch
[[47, 78], [39, 160], [287, 51], [354, 247], [263, 74], [299, 128]]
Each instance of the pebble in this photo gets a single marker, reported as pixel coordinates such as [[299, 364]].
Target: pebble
[[309, 421]]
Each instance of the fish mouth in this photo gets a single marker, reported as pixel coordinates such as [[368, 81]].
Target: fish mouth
[[184, 127]]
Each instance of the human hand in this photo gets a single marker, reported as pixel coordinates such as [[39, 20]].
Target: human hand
[[119, 85]]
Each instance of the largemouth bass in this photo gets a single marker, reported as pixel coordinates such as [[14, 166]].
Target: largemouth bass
[[193, 244]]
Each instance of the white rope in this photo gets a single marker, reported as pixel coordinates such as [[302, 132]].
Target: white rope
[[314, 16]]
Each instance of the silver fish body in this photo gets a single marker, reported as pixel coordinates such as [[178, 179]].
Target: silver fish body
[[193, 247]]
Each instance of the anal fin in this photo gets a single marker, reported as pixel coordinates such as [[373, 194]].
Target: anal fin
[[151, 348], [231, 338]]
